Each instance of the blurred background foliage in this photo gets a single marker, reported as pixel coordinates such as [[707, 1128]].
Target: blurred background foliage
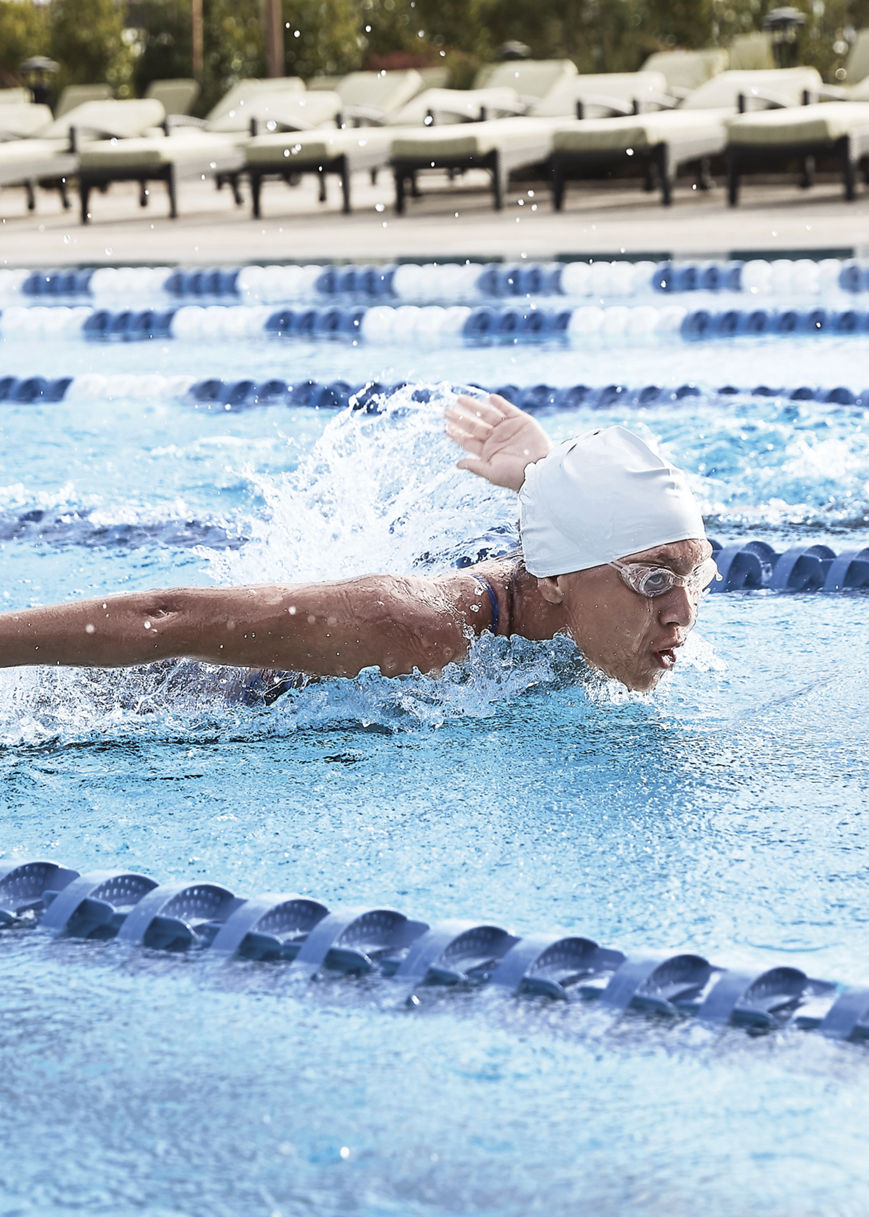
[[128, 43]]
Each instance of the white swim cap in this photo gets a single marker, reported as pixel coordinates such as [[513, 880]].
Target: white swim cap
[[600, 497]]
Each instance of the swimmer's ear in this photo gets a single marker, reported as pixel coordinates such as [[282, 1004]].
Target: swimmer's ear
[[550, 589]]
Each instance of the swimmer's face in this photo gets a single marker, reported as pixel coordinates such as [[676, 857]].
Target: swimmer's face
[[628, 636]]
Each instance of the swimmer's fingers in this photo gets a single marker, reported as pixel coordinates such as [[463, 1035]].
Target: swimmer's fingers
[[500, 472], [472, 446], [467, 423], [470, 418], [470, 434], [473, 464], [505, 408], [491, 412]]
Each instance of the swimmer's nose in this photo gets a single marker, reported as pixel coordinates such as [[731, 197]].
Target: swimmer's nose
[[679, 607]]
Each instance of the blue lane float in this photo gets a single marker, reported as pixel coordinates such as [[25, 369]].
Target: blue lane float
[[430, 326], [756, 566], [249, 393], [707, 324], [463, 281], [413, 956]]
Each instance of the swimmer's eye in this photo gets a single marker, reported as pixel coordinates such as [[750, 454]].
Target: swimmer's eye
[[655, 581], [651, 581]]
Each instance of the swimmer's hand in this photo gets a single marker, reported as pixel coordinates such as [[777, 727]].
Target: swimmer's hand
[[501, 439]]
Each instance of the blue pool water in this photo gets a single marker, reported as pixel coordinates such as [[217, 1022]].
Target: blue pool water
[[725, 815]]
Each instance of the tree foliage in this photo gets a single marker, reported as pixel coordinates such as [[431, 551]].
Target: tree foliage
[[23, 32], [234, 45], [88, 41], [323, 37], [164, 41]]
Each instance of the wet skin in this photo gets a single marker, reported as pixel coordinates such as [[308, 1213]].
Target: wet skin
[[629, 637], [396, 623]]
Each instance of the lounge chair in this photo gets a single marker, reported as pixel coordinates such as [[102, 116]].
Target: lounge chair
[[17, 96], [357, 138], [661, 144], [686, 71], [176, 96], [324, 83], [500, 90], [53, 155], [74, 96], [372, 97], [508, 88], [504, 145], [531, 79], [752, 52], [830, 132], [187, 147], [23, 120]]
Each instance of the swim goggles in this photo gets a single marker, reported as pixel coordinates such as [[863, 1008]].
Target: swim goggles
[[658, 580]]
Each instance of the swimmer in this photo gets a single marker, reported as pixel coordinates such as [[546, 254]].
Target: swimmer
[[614, 554]]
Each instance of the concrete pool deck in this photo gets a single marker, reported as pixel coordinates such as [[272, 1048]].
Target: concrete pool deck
[[448, 222]]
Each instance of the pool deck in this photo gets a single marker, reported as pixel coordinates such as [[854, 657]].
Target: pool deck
[[448, 222]]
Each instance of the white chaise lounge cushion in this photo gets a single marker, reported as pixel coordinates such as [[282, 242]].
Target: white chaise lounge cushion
[[785, 85], [824, 122], [380, 94], [21, 121], [687, 70], [189, 152], [296, 111], [458, 105], [297, 150], [532, 79], [601, 90], [641, 131], [234, 110], [97, 119], [473, 139], [23, 160], [702, 116]]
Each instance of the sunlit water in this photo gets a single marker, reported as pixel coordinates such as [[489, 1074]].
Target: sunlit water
[[726, 814]]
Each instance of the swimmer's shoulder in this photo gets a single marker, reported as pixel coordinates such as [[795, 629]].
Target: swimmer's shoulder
[[485, 594]]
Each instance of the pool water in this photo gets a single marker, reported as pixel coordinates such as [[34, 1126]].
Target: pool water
[[723, 815]]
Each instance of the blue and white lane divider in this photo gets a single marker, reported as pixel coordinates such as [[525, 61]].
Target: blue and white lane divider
[[756, 565], [415, 958], [247, 393], [430, 325], [468, 282]]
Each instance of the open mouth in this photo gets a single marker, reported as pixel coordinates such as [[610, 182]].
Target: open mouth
[[666, 657]]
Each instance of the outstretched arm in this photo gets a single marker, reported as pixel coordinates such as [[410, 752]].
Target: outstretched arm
[[501, 440], [328, 629]]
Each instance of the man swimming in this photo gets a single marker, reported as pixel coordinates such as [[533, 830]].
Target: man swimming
[[614, 554]]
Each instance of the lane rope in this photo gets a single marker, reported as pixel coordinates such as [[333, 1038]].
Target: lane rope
[[415, 957], [246, 392], [469, 281]]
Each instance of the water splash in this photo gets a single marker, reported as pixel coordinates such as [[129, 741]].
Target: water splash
[[379, 492]]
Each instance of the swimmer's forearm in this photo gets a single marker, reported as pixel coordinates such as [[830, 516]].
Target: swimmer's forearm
[[325, 630], [111, 632]]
